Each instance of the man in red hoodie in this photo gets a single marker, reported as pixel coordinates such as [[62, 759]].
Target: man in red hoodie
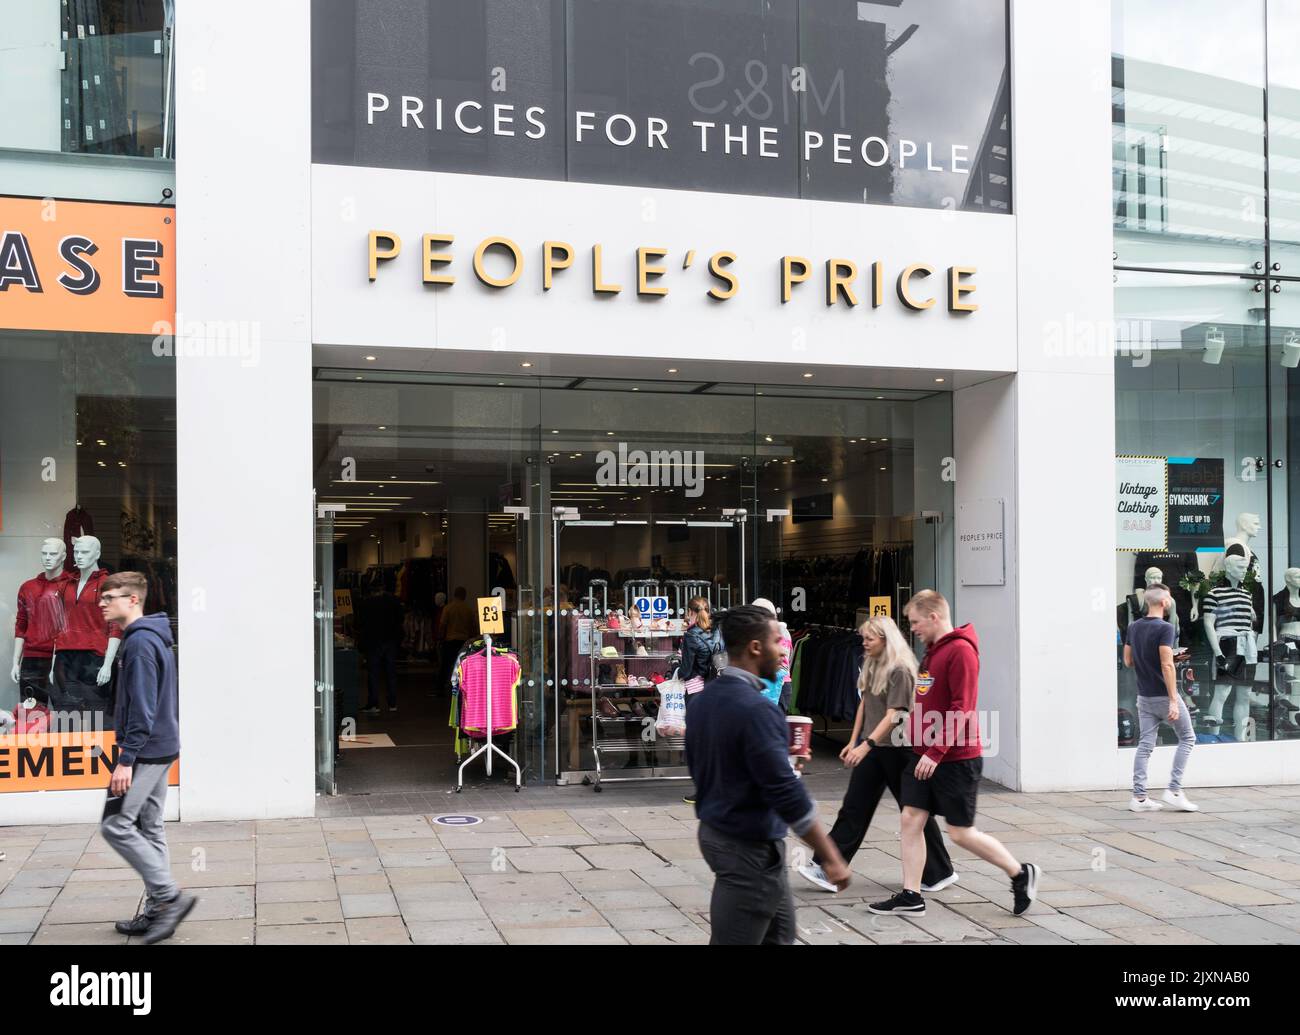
[[944, 774]]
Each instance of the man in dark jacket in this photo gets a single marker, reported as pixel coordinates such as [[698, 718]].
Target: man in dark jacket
[[944, 774], [147, 726], [747, 794]]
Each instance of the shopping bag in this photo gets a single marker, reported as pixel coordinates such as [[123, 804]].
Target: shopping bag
[[672, 709]]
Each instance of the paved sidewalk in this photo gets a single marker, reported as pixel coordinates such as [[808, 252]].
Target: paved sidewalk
[[563, 866]]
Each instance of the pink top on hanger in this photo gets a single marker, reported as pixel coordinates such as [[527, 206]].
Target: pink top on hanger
[[474, 693]]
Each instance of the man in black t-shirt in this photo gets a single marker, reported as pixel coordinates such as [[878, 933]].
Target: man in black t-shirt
[[1150, 651]]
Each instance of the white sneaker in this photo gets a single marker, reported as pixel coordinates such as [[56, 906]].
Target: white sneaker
[[940, 885], [1178, 800], [1144, 805], [815, 875]]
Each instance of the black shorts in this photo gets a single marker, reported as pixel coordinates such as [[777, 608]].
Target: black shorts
[[950, 791]]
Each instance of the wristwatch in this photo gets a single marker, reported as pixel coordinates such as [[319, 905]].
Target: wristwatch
[[871, 743]]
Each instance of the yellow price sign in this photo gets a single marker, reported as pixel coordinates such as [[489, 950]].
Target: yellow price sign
[[342, 602], [489, 615], [880, 607]]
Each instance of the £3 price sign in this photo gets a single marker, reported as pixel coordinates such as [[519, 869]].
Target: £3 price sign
[[489, 615]]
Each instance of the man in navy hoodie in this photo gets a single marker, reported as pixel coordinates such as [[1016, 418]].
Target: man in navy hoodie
[[746, 793], [148, 739], [944, 775]]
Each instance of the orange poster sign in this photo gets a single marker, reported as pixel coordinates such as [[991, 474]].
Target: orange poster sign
[[86, 266], [61, 761]]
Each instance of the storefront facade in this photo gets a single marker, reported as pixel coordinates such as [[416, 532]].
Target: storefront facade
[[787, 244]]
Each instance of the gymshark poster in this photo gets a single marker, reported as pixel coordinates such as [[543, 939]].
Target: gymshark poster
[[1195, 502]]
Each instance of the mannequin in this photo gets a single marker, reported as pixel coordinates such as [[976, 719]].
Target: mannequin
[[1247, 529], [38, 622], [1286, 610], [83, 660], [1229, 617], [1287, 606], [1137, 605]]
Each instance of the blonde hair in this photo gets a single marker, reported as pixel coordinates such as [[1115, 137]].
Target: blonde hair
[[929, 601], [700, 606], [874, 677]]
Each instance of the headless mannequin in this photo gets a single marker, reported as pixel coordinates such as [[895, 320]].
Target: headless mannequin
[[53, 554], [1291, 594], [1287, 618], [85, 555], [1235, 568]]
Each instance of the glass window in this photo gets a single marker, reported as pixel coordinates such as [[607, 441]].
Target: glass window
[[1284, 517], [785, 98], [1284, 137], [1188, 135], [87, 488], [1192, 482], [95, 77], [819, 499]]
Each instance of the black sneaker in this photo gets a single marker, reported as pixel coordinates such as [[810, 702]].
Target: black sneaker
[[689, 798], [1024, 887], [138, 925], [908, 902], [168, 918]]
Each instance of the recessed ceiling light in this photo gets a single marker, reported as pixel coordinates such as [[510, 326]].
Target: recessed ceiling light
[[825, 479], [383, 427], [807, 375], [884, 468], [672, 370], [854, 441], [609, 433], [938, 380], [525, 364], [555, 431], [769, 438], [359, 378], [636, 389], [884, 440], [501, 384], [880, 397], [370, 359]]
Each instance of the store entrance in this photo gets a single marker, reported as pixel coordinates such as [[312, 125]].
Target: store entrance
[[430, 491], [631, 585], [576, 502]]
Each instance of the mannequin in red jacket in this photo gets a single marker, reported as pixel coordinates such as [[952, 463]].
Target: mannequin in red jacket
[[85, 650], [37, 624]]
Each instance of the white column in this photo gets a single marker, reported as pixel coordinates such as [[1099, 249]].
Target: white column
[[1064, 399], [244, 421]]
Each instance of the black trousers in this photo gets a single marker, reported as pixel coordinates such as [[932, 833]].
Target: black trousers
[[751, 903], [76, 683], [34, 679], [381, 661], [883, 767]]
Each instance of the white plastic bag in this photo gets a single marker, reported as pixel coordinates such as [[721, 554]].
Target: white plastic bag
[[672, 709]]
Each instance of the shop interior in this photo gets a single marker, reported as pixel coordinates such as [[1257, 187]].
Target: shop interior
[[613, 490]]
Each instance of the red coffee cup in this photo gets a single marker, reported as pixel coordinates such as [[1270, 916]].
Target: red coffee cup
[[801, 728]]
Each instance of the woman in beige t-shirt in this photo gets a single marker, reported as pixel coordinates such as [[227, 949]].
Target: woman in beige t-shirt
[[886, 686]]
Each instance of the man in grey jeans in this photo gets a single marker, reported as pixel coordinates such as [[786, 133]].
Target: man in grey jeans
[[146, 722], [1150, 650]]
